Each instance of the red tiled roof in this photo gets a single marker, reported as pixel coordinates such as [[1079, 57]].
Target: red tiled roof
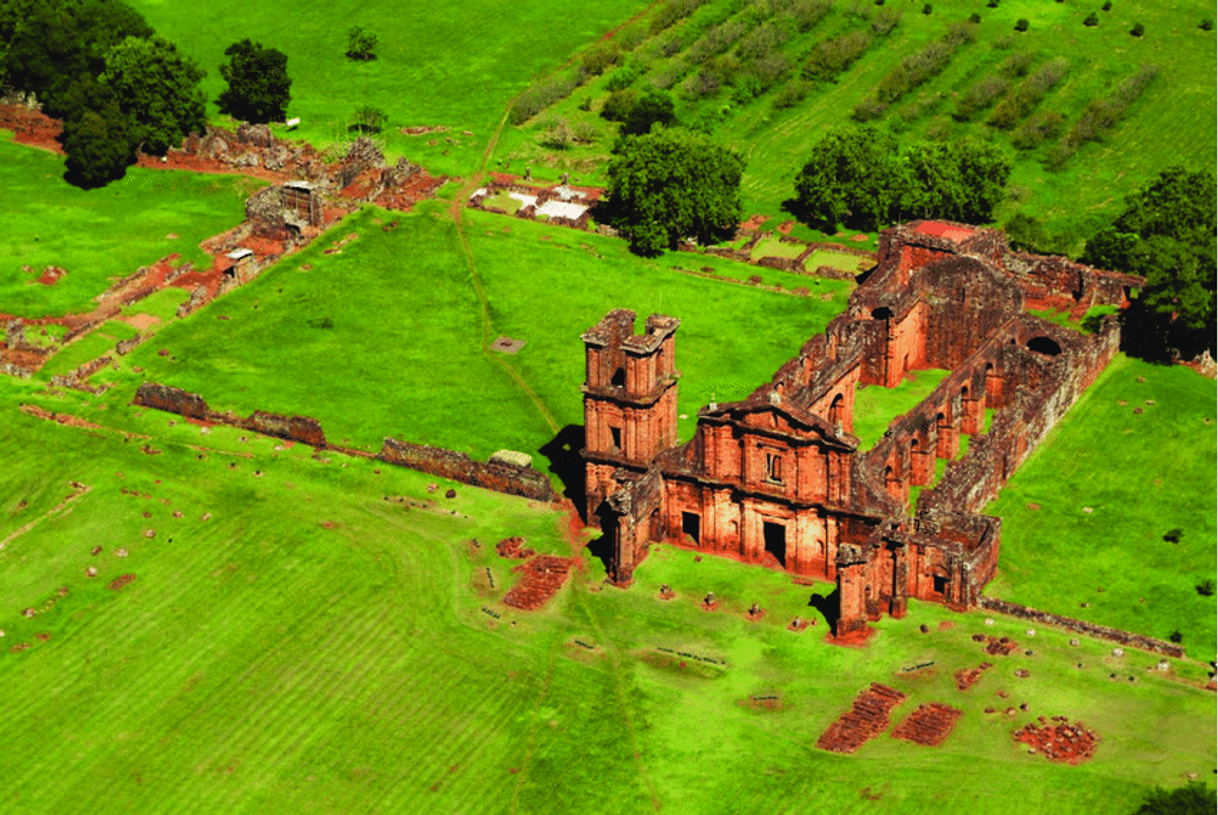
[[942, 230]]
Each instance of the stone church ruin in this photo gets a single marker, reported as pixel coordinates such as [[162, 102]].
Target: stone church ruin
[[779, 478]]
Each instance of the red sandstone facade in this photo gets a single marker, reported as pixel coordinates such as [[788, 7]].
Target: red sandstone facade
[[779, 479]]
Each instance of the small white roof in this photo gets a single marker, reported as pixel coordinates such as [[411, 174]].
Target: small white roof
[[239, 253]]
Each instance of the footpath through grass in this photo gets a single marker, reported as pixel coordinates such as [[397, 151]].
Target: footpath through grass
[[99, 236], [337, 657]]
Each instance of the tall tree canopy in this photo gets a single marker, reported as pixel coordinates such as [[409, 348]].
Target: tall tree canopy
[[671, 184], [100, 145], [1168, 233], [259, 88], [52, 45], [859, 176], [158, 89], [852, 174]]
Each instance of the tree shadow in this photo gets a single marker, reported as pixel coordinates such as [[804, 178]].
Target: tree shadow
[[566, 463], [829, 606]]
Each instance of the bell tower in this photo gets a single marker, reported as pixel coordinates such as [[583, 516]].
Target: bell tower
[[630, 399]]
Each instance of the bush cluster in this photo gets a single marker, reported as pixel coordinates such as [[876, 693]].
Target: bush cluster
[[671, 11], [916, 69], [1019, 102], [1039, 128], [1101, 114], [979, 96]]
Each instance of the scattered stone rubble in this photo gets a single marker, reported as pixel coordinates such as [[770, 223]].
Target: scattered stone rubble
[[930, 724], [543, 576], [867, 718], [1059, 740]]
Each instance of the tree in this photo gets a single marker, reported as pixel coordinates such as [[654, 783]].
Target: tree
[[1168, 233], [100, 145], [361, 44], [959, 181], [1093, 19], [158, 89], [852, 175], [650, 108], [51, 46], [259, 88], [672, 184]]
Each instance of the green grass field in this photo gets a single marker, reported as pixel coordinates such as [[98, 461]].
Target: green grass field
[[336, 658], [100, 236], [450, 66], [387, 337], [1073, 202], [1101, 494]]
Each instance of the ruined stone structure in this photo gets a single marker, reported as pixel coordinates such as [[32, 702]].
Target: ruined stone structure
[[779, 478]]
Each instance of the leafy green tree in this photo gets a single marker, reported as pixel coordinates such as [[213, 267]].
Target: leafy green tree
[[100, 146], [51, 46], [650, 108], [361, 44], [852, 175], [158, 89], [959, 181], [672, 184], [1168, 233], [259, 88]]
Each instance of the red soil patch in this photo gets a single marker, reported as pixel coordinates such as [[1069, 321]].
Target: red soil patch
[[43, 637], [544, 575], [786, 226], [867, 718], [929, 725], [119, 582], [762, 703], [62, 418], [997, 646], [1058, 740], [755, 222], [968, 677], [513, 548], [51, 274]]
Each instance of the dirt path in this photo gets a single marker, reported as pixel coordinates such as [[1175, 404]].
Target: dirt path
[[78, 490]]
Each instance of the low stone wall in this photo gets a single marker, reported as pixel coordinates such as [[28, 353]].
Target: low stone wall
[[512, 479], [501, 476], [1103, 632]]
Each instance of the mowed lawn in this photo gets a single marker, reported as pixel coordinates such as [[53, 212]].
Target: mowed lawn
[[288, 640], [388, 336], [99, 236], [455, 65], [1084, 518]]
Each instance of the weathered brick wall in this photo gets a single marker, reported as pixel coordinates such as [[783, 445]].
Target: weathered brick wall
[[501, 477], [171, 400], [293, 428], [1127, 638]]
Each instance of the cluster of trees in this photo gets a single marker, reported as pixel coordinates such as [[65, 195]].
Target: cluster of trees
[[858, 176], [118, 87], [1168, 233]]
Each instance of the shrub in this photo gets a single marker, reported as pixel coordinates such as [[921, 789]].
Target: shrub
[[1019, 102], [1101, 114], [1017, 64], [601, 58], [980, 96], [1021, 24], [803, 15], [1137, 30], [623, 78], [992, 4], [791, 94], [885, 21], [1173, 535], [1093, 19], [763, 41], [830, 58], [672, 11], [927, 9], [1176, 636], [868, 109], [539, 97], [368, 119], [619, 104], [1206, 587], [557, 135], [879, 2], [361, 44], [1207, 24], [1107, 6], [1038, 129], [716, 40], [974, 17]]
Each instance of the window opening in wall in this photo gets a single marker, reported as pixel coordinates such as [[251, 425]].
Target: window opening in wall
[[691, 525], [619, 378], [616, 434], [939, 584], [776, 541], [773, 468]]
